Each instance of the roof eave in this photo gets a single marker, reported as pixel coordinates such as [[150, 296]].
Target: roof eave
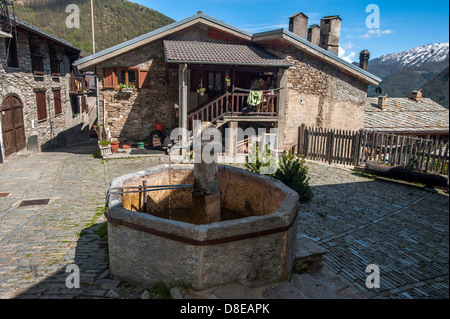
[[228, 63]]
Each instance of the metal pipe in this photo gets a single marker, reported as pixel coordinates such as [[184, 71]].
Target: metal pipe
[[184, 106]]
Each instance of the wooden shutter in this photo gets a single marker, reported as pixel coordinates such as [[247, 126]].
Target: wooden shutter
[[109, 79], [57, 100], [41, 104], [144, 79]]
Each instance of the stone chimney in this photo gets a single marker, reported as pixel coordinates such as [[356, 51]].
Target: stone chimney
[[364, 58], [417, 95], [314, 34], [298, 24], [383, 102], [330, 33]]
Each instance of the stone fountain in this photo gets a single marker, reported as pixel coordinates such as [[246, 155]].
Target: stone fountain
[[204, 224]]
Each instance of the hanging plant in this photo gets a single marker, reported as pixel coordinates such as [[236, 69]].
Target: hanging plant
[[228, 80]]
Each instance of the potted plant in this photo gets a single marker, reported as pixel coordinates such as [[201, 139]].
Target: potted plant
[[201, 91], [115, 145], [228, 80], [127, 88]]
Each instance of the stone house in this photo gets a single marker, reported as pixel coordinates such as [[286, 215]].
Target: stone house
[[43, 105], [300, 81]]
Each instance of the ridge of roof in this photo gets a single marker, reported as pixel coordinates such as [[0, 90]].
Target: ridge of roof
[[317, 48], [158, 31], [33, 28]]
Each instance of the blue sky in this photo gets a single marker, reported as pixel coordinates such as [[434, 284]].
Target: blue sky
[[403, 24]]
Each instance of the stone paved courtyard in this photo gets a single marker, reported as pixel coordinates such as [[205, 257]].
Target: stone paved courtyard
[[359, 221]]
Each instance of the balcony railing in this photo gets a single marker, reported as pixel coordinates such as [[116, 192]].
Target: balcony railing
[[268, 107], [79, 85], [234, 104]]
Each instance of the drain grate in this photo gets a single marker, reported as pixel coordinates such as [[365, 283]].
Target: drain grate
[[3, 195], [35, 202]]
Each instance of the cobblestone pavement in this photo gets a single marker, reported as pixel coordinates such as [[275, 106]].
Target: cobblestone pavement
[[358, 221], [404, 230]]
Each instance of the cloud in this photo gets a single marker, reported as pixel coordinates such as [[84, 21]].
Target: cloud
[[375, 33], [342, 52]]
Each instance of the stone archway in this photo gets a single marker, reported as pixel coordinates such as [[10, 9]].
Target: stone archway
[[13, 128]]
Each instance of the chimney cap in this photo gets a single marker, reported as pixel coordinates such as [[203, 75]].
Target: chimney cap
[[314, 26], [332, 17], [297, 14], [199, 12]]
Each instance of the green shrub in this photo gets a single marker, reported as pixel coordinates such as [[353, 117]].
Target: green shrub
[[105, 143], [292, 171]]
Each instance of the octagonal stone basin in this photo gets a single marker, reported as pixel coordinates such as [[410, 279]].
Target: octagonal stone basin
[[253, 245]]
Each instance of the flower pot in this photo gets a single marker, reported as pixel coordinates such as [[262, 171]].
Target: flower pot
[[127, 90], [202, 93], [228, 84], [115, 146], [140, 145], [105, 150], [126, 147]]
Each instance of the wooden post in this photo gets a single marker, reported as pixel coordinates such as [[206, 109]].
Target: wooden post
[[330, 139], [306, 141], [301, 140]]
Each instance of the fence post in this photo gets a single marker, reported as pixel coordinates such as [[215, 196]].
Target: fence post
[[330, 146], [301, 139]]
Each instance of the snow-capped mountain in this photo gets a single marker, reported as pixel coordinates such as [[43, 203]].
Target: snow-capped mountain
[[430, 57], [409, 70]]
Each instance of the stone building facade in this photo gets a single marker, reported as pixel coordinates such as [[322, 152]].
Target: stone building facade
[[131, 117], [35, 76], [318, 95], [312, 85]]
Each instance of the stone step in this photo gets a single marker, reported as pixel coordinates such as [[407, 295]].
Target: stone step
[[308, 256]]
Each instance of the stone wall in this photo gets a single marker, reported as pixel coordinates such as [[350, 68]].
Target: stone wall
[[319, 95], [57, 129], [131, 117]]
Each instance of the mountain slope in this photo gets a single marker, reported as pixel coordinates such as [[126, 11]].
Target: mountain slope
[[429, 57], [409, 70], [438, 88], [116, 21]]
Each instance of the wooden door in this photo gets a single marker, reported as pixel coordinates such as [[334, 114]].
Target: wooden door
[[13, 128]]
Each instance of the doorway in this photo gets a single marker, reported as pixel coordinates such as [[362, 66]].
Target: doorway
[[13, 128]]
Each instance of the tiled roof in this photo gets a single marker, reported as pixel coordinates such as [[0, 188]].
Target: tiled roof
[[406, 115], [220, 53]]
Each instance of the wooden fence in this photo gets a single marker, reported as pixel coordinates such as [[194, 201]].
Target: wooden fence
[[355, 147]]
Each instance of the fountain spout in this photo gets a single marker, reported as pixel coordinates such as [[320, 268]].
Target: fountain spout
[[206, 193]]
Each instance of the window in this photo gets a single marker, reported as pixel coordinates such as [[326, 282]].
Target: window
[[215, 80], [57, 100], [112, 78], [11, 53], [55, 63], [127, 77], [41, 104], [37, 59]]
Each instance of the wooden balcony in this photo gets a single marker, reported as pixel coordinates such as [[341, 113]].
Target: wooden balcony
[[234, 105], [79, 85]]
